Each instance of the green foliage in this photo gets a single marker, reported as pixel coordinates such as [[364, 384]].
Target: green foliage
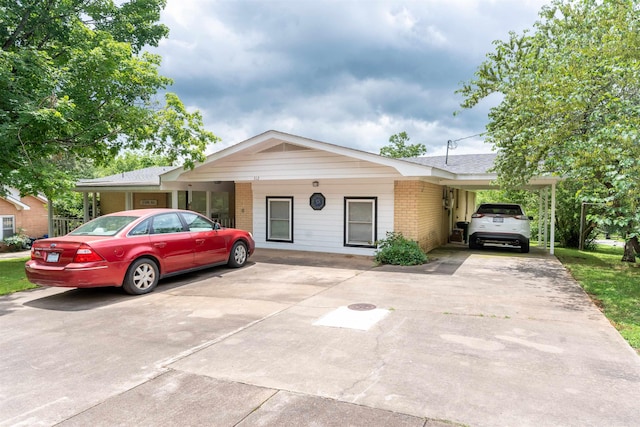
[[571, 97], [17, 242], [130, 160], [77, 85], [398, 147], [12, 276], [395, 249], [612, 285], [70, 203]]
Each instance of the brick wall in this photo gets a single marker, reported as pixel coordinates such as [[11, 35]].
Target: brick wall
[[418, 213], [111, 202], [244, 206], [34, 222]]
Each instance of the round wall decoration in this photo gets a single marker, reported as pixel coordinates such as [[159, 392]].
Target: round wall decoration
[[317, 201]]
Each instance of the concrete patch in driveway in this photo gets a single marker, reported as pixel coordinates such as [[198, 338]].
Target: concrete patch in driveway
[[346, 317]]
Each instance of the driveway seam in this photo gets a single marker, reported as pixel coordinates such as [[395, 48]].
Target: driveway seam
[[164, 364]]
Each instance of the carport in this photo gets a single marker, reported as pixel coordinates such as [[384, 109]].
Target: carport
[[471, 175]]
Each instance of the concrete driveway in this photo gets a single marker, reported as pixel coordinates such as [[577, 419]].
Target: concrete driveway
[[473, 338]]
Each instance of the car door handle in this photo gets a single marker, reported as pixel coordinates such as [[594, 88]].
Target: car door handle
[[160, 245], [199, 241]]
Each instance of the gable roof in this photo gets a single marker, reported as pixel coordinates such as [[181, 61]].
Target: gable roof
[[279, 142], [249, 159], [13, 197]]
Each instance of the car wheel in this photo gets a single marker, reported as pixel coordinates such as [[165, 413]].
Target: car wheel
[[524, 247], [473, 244], [142, 277], [238, 255]]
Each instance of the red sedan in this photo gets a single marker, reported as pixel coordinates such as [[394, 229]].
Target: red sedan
[[134, 249]]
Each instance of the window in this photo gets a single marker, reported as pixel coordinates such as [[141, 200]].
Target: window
[[141, 229], [8, 227], [280, 219], [219, 205], [167, 223], [360, 224], [198, 202], [104, 226], [196, 222]]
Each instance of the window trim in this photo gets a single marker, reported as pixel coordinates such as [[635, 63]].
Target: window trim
[[13, 221], [374, 223], [269, 199]]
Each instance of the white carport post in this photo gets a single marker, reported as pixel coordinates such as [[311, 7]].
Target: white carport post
[[540, 220], [546, 217], [553, 218]]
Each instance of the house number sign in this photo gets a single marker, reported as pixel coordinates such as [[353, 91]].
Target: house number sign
[[317, 201]]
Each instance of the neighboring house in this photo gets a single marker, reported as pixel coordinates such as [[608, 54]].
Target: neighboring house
[[300, 194], [26, 214]]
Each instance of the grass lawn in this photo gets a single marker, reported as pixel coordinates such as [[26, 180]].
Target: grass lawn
[[613, 285], [12, 277]]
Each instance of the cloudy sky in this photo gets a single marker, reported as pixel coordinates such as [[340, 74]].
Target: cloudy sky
[[347, 72]]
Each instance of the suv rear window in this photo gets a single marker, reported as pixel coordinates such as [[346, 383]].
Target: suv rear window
[[498, 209]]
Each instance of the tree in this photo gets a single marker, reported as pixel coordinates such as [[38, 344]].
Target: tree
[[70, 203], [398, 147], [76, 85], [129, 161], [571, 104]]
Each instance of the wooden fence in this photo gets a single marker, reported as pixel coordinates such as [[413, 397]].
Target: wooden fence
[[62, 226]]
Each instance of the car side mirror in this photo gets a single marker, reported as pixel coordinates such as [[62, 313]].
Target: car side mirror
[[216, 226], [530, 218]]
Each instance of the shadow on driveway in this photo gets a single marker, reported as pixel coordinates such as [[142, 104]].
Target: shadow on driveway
[[81, 299]]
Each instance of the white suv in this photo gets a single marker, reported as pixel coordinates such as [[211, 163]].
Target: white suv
[[501, 223]]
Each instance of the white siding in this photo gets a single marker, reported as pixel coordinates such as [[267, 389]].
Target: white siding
[[304, 164], [323, 230]]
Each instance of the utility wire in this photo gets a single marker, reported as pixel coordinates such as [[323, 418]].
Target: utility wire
[[451, 144]]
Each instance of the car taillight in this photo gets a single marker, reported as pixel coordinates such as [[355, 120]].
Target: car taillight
[[36, 254], [477, 215], [521, 217], [86, 254]]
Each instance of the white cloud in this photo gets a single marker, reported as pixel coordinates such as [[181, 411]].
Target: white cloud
[[345, 72]]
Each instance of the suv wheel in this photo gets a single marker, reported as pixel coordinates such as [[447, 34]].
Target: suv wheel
[[524, 247]]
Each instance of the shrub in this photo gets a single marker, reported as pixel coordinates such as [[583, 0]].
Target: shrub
[[395, 249], [17, 242]]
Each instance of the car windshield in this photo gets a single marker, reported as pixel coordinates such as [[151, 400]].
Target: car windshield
[[104, 226]]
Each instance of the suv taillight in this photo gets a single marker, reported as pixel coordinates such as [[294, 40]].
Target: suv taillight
[[477, 215], [521, 217], [86, 254]]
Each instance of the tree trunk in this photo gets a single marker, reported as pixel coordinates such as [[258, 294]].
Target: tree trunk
[[631, 246]]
